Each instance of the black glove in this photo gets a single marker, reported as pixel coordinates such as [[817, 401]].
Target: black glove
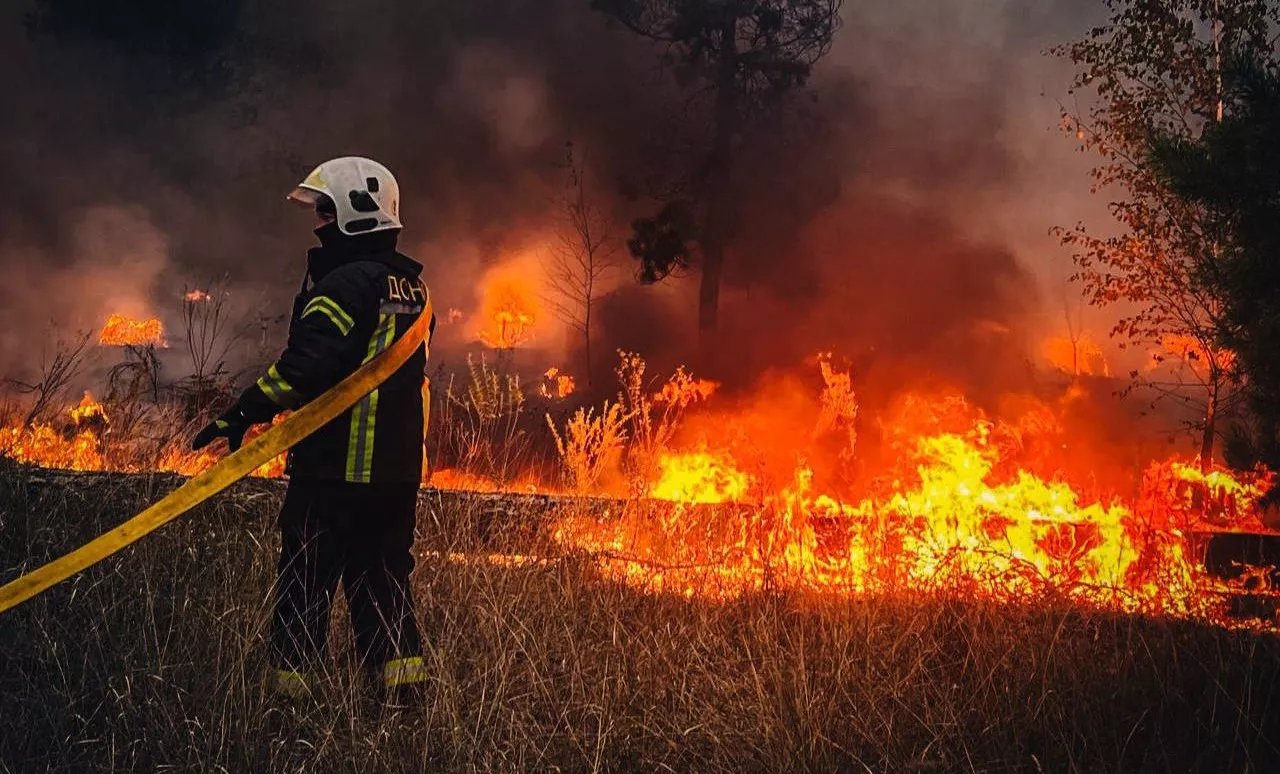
[[231, 426]]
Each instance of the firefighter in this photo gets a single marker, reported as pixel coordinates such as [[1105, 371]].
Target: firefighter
[[350, 508]]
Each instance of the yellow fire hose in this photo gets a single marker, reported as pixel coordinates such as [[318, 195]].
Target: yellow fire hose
[[229, 470]]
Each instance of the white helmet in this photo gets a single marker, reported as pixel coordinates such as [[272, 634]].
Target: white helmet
[[364, 192]]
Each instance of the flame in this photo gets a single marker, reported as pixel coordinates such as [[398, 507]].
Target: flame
[[956, 524], [1078, 356], [964, 505], [45, 446], [121, 331], [700, 477], [510, 304], [556, 385], [195, 296], [88, 410], [783, 492]]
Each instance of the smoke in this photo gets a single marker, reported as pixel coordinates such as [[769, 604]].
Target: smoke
[[113, 257], [899, 218]]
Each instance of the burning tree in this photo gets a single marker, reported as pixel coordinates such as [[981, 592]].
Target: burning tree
[[1157, 65], [747, 54]]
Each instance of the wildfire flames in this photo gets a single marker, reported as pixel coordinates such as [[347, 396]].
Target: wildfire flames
[[937, 497], [955, 515], [77, 447], [88, 410], [121, 331], [1076, 355], [962, 505]]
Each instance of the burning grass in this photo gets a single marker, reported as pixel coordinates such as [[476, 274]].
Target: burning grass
[[157, 657], [122, 331], [935, 496]]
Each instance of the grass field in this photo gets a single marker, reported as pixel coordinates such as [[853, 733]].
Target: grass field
[[155, 660]]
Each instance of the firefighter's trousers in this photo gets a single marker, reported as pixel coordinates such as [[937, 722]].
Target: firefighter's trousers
[[362, 536]]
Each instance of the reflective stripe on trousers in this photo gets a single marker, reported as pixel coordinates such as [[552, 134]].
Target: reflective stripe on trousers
[[291, 683], [403, 671]]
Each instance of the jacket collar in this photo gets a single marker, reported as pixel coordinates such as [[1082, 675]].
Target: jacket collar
[[378, 247], [397, 262]]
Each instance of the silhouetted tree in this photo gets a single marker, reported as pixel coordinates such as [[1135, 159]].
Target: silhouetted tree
[[583, 256], [746, 55]]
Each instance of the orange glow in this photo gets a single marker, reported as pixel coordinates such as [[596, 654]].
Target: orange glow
[[195, 296], [1191, 352], [120, 331], [87, 410], [795, 487], [556, 384], [699, 477], [453, 478], [510, 305], [683, 390], [962, 504], [1079, 357]]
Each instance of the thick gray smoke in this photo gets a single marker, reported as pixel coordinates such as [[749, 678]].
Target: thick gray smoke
[[901, 217]]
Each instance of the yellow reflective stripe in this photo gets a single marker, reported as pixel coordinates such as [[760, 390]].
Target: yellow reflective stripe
[[329, 308], [403, 671], [291, 683], [364, 414], [277, 389]]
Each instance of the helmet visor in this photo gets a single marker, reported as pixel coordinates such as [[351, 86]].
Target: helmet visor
[[306, 197]]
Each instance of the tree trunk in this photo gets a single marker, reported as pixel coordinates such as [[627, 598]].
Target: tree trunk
[[709, 289], [586, 337], [718, 226], [1210, 426]]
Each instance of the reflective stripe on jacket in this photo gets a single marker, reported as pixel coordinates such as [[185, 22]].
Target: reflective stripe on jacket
[[353, 313]]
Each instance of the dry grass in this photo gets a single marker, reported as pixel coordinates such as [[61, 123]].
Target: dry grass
[[155, 659], [591, 446]]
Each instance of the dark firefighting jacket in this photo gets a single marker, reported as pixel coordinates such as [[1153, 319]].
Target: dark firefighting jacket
[[365, 296]]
